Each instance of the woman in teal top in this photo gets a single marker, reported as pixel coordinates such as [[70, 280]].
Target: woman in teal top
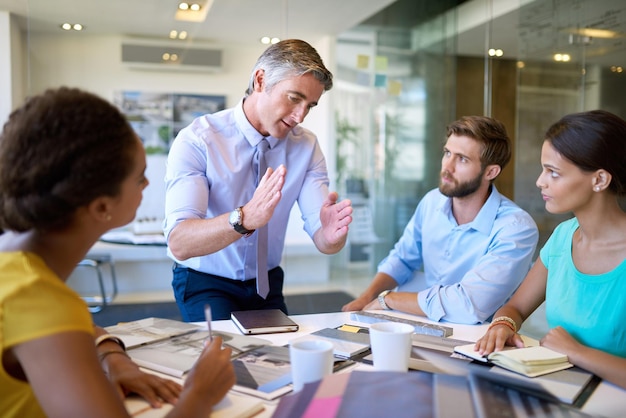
[[581, 271]]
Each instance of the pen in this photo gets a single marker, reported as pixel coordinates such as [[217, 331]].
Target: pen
[[207, 315]]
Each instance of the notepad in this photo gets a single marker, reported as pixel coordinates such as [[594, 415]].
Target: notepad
[[345, 344], [530, 361], [263, 321]]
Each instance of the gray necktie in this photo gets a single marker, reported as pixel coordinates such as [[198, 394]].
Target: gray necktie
[[262, 281]]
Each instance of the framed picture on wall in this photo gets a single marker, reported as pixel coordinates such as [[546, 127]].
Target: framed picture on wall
[[158, 117]]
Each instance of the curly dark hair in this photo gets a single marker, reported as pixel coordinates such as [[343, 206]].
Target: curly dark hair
[[593, 140], [58, 152]]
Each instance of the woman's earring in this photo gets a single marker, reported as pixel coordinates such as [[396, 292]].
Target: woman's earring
[[597, 188]]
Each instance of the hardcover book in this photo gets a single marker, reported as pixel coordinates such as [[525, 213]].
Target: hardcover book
[[263, 321]]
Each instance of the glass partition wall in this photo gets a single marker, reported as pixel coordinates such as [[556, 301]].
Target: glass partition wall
[[404, 74]]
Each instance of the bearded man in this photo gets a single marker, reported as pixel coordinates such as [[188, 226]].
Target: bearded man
[[466, 248]]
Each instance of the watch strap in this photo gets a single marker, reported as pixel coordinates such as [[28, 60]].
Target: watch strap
[[238, 226], [381, 300]]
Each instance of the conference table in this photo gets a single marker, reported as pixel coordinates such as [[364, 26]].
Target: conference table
[[607, 400]]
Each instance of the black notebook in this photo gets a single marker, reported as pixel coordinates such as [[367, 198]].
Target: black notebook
[[263, 321]]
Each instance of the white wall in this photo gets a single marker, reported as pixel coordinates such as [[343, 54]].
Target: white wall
[[94, 63], [11, 65]]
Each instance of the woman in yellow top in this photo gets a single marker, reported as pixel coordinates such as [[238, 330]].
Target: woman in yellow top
[[72, 168]]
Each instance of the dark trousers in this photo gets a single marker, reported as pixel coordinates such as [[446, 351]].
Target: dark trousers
[[193, 289]]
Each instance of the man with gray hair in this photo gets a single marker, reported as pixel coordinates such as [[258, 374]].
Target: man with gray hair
[[232, 178]]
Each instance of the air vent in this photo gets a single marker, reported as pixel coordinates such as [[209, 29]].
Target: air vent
[[171, 58]]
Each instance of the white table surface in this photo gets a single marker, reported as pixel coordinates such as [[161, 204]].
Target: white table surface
[[607, 400]]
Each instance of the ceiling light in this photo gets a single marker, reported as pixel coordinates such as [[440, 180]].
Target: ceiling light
[[595, 33], [193, 11], [266, 40], [174, 34], [72, 26], [562, 57], [493, 52]]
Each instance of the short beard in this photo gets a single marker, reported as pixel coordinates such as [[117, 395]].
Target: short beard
[[462, 189]]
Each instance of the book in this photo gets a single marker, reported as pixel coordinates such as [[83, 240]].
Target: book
[[231, 406], [346, 344], [530, 361], [434, 344], [172, 347], [264, 372], [150, 330], [263, 321]]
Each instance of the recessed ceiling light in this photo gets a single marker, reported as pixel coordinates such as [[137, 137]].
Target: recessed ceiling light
[[72, 26], [266, 40], [195, 11], [562, 57]]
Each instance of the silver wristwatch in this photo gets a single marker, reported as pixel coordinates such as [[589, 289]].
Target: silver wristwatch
[[381, 300], [236, 221]]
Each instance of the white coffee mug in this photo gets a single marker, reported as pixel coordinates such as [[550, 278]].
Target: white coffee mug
[[391, 345], [311, 360]]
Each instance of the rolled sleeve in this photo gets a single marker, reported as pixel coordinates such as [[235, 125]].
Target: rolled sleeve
[[187, 188]]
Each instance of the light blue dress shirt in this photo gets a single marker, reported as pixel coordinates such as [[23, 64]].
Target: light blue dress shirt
[[469, 270], [210, 172]]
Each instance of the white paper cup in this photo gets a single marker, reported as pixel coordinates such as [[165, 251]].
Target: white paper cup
[[391, 345], [311, 360]]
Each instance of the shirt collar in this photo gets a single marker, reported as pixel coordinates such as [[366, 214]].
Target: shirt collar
[[249, 132], [483, 222]]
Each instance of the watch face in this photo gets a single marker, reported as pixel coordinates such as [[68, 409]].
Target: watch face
[[235, 217]]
